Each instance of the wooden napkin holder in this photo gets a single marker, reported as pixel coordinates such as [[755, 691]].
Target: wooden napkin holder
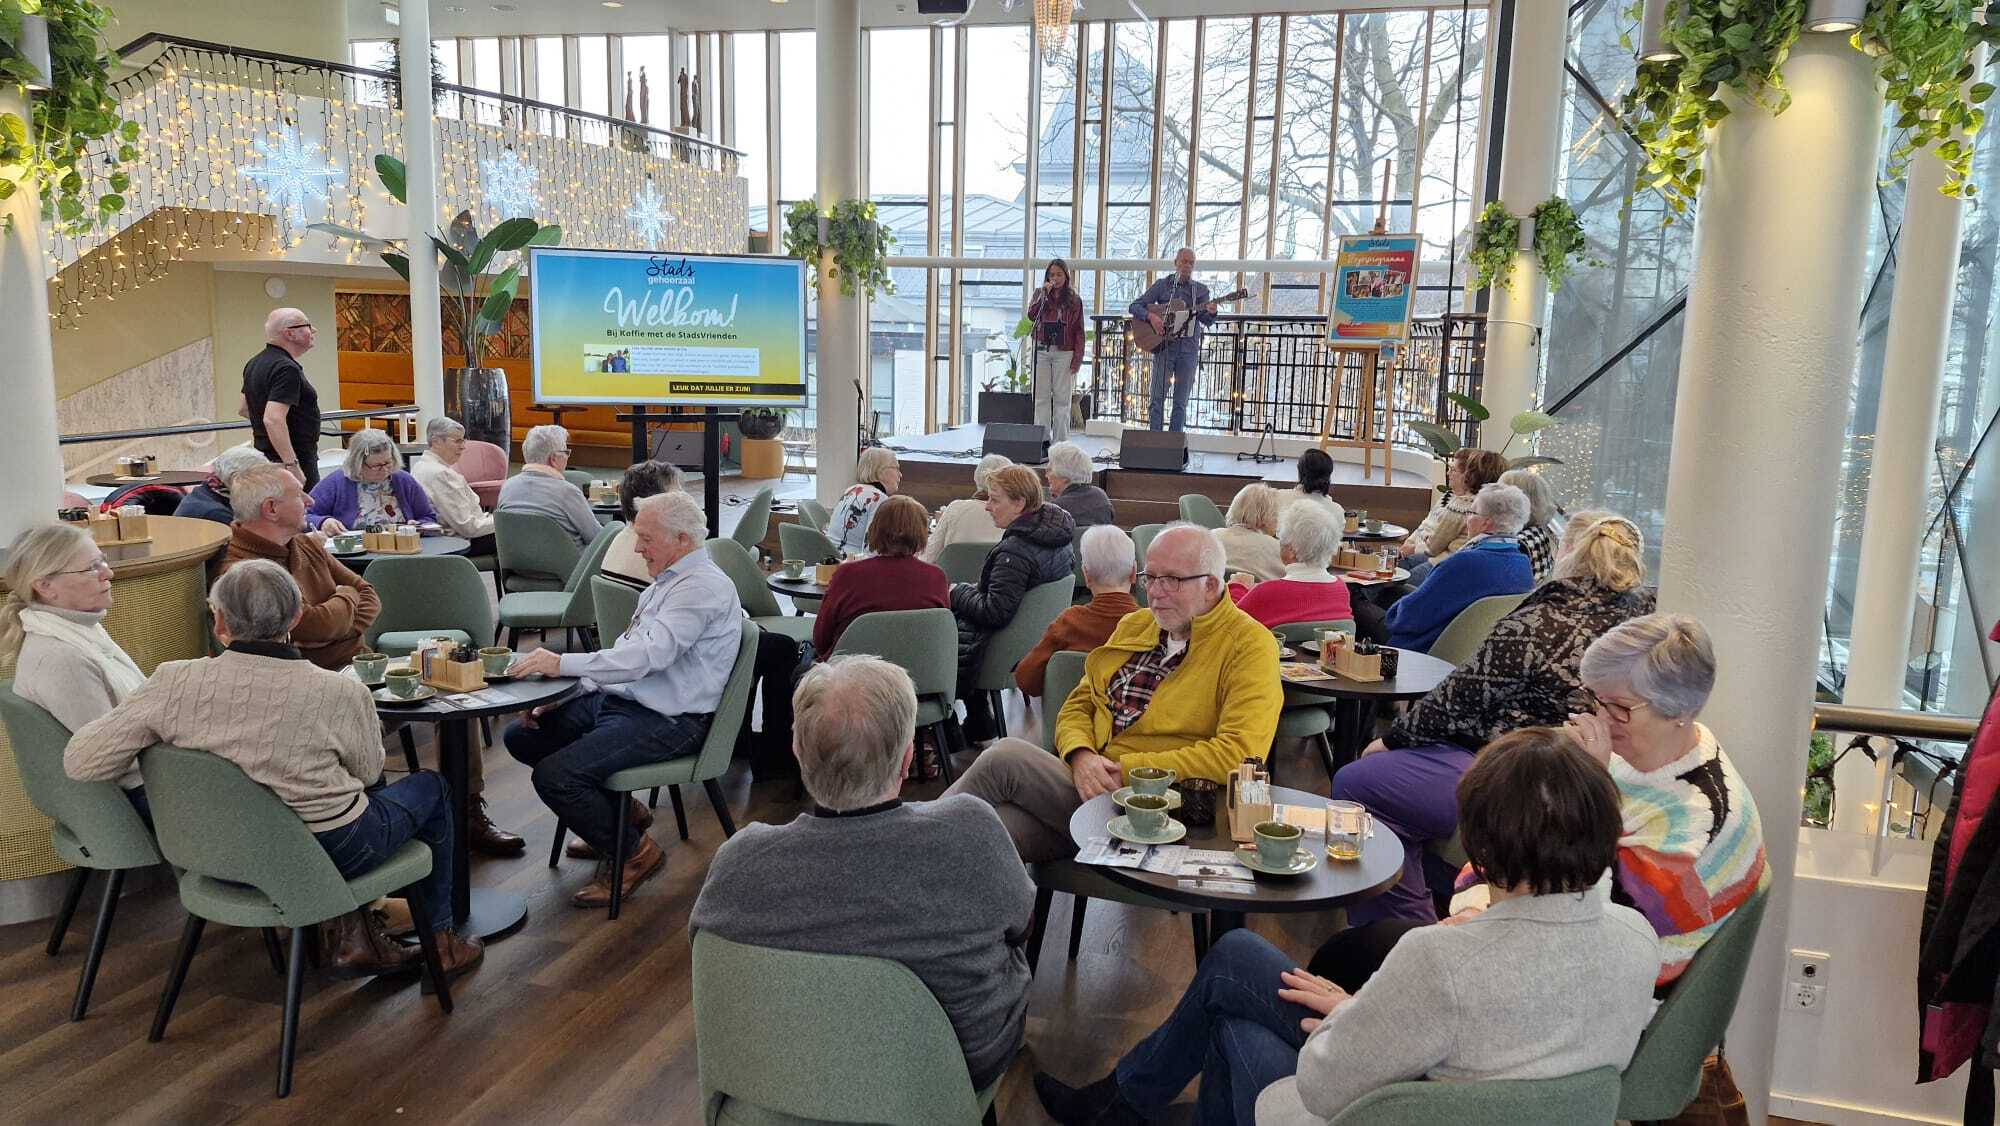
[[1348, 559], [1245, 815], [437, 669], [391, 543], [108, 529], [1357, 666], [600, 492], [132, 527], [823, 572]]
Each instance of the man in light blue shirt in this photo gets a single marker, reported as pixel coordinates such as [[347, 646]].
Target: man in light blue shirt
[[1180, 355], [645, 699]]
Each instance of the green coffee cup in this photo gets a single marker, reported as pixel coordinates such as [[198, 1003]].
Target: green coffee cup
[[1146, 813], [496, 658], [1150, 779], [403, 682], [1277, 843], [370, 666]]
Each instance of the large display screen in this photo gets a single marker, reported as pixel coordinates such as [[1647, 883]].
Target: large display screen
[[619, 326]]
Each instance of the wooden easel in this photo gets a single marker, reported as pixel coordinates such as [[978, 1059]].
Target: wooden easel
[[1371, 374]]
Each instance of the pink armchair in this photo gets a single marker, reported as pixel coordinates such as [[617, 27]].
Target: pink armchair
[[485, 468]]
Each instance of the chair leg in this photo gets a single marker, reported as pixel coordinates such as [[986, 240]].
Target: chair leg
[[950, 739], [721, 807], [274, 951], [1200, 921], [1043, 896], [71, 898], [420, 913], [653, 799], [991, 1117], [183, 958], [618, 850], [409, 748], [1077, 905], [555, 848], [486, 731], [100, 935], [999, 705], [288, 1030], [680, 811], [1326, 754]]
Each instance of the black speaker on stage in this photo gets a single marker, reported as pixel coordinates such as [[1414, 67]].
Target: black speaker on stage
[[1162, 450], [943, 7], [1019, 443]]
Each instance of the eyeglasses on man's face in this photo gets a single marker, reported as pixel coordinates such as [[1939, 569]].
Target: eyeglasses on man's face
[[1167, 584], [307, 325]]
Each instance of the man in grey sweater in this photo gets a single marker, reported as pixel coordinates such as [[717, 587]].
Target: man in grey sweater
[[541, 488], [954, 906]]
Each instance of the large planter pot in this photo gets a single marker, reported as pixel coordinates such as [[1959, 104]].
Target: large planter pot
[[761, 423], [477, 399], [1005, 406]]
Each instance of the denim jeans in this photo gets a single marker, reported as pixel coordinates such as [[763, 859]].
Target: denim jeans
[[1230, 1028], [1180, 359], [574, 748], [1413, 793], [137, 796], [416, 808]]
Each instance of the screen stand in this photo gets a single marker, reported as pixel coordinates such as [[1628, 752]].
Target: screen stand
[[711, 467], [640, 445]]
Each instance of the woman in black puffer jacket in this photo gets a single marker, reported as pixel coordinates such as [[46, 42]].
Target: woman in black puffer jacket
[[1034, 549]]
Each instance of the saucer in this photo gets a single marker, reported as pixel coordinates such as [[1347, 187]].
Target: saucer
[[346, 554], [1119, 795], [384, 696], [1286, 653], [1304, 860], [1121, 828], [499, 677], [371, 685]]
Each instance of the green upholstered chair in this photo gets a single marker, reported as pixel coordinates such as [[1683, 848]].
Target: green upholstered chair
[[568, 609], [1588, 1098], [1012, 641], [1200, 511], [428, 596], [923, 643], [814, 515], [755, 522], [1467, 632], [785, 1036], [614, 601], [535, 552], [581, 478], [248, 861], [736, 561], [1142, 538], [1665, 1072], [96, 828], [704, 766], [800, 542], [962, 562], [1308, 715]]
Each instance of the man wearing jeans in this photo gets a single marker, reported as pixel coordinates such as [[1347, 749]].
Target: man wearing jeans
[[648, 698], [1181, 354]]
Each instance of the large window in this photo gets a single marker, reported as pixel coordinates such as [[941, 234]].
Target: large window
[[549, 69], [594, 74], [649, 68]]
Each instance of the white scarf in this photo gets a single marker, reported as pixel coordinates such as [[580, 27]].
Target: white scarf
[[91, 640]]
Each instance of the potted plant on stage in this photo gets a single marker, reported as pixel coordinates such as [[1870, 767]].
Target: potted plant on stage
[[1005, 397], [475, 303], [763, 453]]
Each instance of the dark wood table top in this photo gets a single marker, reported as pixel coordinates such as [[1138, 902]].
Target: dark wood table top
[[1328, 885], [1389, 532], [801, 587], [428, 545], [503, 698], [1416, 674], [182, 478]]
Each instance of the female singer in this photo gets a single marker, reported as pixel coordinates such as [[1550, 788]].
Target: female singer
[[1057, 344]]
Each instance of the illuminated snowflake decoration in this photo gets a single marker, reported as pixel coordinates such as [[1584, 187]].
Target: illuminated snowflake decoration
[[293, 173], [510, 185], [649, 215]]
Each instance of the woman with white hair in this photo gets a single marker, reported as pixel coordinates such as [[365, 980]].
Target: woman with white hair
[[1249, 531], [1109, 563], [210, 499], [1538, 535], [876, 475], [457, 505], [1069, 472], [967, 521], [1490, 563], [1307, 591], [368, 491], [541, 489]]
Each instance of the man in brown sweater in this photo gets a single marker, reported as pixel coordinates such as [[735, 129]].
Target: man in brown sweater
[[1109, 563], [270, 510]]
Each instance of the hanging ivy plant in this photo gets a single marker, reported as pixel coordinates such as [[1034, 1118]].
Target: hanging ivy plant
[[1559, 240], [1923, 52], [1496, 236], [76, 131], [859, 243]]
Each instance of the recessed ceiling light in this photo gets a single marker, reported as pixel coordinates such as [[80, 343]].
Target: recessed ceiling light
[[612, 4], [503, 7], [454, 9]]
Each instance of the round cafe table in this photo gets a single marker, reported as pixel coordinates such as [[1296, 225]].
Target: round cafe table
[[484, 912], [428, 545], [182, 478], [1355, 700], [1330, 883], [801, 589], [1388, 532]]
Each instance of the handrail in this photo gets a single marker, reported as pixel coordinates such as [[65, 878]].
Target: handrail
[[1895, 723], [210, 427], [153, 38]]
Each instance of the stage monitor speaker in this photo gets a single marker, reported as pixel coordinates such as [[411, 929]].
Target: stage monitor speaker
[[1006, 408], [1163, 450], [943, 7], [1019, 443]]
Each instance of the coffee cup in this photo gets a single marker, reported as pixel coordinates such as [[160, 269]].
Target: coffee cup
[[1277, 843], [794, 568], [347, 541], [1373, 525], [496, 658], [403, 682], [370, 666], [1150, 779], [1146, 813]]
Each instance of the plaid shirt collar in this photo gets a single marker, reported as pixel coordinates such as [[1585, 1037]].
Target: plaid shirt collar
[[1133, 685]]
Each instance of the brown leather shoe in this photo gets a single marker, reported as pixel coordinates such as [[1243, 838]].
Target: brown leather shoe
[[457, 953], [645, 863], [487, 838], [642, 820], [356, 945]]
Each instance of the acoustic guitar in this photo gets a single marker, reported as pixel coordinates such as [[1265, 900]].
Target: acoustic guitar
[[1150, 341]]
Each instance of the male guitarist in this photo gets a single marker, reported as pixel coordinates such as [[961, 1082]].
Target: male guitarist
[[1183, 346]]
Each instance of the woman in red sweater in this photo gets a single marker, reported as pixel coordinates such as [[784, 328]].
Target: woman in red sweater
[[1309, 592], [891, 577]]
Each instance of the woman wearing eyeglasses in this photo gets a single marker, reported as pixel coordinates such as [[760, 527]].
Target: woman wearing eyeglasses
[[368, 491], [58, 589]]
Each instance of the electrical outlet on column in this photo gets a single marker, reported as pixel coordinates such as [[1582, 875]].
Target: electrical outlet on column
[[1807, 977]]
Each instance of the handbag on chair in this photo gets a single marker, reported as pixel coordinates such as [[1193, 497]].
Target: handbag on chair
[[1719, 1102]]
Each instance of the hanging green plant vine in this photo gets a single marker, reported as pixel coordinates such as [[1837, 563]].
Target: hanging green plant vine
[[1923, 51], [1559, 240], [1496, 236], [860, 244], [76, 132]]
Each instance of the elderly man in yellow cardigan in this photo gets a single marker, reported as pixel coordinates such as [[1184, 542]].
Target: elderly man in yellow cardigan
[[1190, 683]]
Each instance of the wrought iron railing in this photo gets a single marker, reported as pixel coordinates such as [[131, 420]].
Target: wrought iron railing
[[1269, 374]]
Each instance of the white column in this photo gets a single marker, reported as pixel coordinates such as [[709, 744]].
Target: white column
[[837, 24], [29, 457], [1766, 360], [1527, 177], [420, 164], [1906, 420]]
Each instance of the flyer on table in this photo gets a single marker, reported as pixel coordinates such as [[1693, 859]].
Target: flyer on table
[[652, 328], [1374, 287]]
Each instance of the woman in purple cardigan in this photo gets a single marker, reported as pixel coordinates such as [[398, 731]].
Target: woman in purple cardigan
[[368, 491]]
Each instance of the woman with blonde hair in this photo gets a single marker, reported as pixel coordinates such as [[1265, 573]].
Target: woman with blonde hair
[[1034, 549], [1249, 531], [1523, 675], [966, 520], [876, 476], [52, 624]]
